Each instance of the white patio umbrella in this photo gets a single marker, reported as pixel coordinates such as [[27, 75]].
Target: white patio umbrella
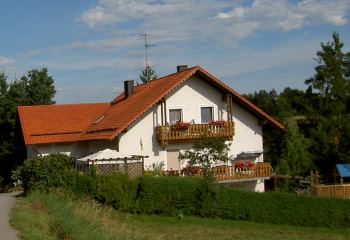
[[106, 154]]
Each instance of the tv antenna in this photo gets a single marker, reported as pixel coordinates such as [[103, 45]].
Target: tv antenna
[[147, 45]]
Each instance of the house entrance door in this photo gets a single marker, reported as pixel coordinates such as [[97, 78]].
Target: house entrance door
[[172, 156]]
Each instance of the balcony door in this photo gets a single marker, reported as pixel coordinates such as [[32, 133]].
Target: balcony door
[[172, 156]]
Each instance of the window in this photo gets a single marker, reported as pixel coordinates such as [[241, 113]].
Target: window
[[206, 114], [175, 115]]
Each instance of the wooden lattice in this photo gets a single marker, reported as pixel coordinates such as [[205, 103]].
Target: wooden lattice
[[133, 167]]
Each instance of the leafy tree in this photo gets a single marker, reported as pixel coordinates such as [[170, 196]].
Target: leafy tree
[[36, 87], [296, 159], [329, 94], [148, 74], [205, 153]]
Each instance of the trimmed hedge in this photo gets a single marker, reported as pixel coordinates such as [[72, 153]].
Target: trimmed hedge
[[281, 208], [169, 195], [192, 196], [43, 173]]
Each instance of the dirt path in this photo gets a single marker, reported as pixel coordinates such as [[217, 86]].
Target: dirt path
[[7, 201]]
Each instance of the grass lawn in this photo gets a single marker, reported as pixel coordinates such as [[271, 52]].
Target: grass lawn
[[59, 216]]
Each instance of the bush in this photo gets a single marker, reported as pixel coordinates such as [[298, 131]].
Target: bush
[[116, 190], [43, 173], [281, 208], [170, 195]]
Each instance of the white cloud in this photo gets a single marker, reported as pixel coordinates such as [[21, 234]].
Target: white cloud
[[70, 64], [216, 21], [6, 60]]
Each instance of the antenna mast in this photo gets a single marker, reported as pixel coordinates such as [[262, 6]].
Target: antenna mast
[[147, 45]]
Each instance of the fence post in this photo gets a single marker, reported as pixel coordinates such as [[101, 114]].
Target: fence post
[[125, 165]]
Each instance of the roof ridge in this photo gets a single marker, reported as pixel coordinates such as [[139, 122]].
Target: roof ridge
[[61, 104]]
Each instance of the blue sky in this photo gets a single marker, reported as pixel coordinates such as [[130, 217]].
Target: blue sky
[[91, 47]]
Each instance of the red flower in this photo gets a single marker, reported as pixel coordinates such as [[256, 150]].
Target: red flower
[[182, 125], [218, 123], [244, 164]]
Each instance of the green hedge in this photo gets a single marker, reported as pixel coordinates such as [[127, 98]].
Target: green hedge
[[192, 196], [116, 190], [43, 173], [169, 195], [281, 208]]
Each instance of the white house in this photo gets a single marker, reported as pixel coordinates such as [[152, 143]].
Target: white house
[[142, 121]]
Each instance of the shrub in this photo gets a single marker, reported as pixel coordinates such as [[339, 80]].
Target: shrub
[[276, 207], [116, 190], [43, 173], [169, 195]]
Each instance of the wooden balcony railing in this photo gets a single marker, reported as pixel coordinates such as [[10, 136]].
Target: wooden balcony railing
[[230, 173], [171, 133]]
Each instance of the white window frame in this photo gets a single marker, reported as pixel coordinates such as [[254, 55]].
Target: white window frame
[[212, 112], [176, 108]]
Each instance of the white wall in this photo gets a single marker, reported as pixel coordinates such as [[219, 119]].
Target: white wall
[[73, 149]]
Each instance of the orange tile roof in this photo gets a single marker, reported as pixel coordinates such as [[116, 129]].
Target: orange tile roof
[[124, 112], [115, 117], [57, 123]]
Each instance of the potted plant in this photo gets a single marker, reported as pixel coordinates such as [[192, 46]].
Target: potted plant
[[182, 125], [219, 123]]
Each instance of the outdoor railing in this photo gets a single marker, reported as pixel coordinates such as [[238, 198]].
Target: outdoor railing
[[172, 133], [229, 173]]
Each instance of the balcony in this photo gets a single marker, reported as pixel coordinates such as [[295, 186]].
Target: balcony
[[189, 132], [230, 174]]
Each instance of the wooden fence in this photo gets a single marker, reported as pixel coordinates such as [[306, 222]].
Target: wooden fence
[[331, 191], [328, 190]]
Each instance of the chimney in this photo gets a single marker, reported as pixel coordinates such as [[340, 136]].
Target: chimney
[[128, 88], [180, 68]]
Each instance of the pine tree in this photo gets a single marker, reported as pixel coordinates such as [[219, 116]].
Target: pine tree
[[296, 159], [329, 94], [148, 74]]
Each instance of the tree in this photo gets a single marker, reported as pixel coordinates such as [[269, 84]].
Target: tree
[[296, 159], [329, 94], [205, 153], [39, 87], [148, 74], [36, 87]]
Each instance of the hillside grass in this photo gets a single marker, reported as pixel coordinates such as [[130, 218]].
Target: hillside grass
[[59, 215]]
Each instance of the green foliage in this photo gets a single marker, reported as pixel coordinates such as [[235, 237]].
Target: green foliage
[[279, 208], [156, 169], [329, 94], [296, 159], [36, 87], [206, 152], [177, 196], [43, 173], [169, 195], [116, 190], [148, 74]]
